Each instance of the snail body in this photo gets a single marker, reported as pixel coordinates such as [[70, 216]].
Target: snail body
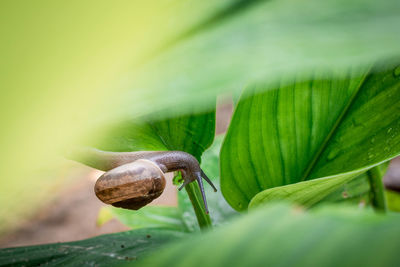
[[134, 179]]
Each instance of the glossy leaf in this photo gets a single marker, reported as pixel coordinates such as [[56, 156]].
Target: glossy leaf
[[286, 133], [106, 250], [279, 235]]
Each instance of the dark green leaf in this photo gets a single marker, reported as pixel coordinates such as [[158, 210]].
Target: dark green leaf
[[105, 250]]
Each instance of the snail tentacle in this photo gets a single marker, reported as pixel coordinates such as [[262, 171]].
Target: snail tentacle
[[208, 180], [200, 182]]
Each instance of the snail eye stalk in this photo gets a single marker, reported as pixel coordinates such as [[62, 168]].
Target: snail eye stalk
[[208, 180], [200, 182]]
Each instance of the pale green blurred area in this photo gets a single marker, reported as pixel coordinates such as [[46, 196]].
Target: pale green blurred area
[[67, 67], [59, 62]]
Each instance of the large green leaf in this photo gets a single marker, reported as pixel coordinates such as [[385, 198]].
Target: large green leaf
[[286, 133], [283, 236], [105, 250]]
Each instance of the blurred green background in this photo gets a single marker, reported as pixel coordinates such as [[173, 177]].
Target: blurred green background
[[69, 67]]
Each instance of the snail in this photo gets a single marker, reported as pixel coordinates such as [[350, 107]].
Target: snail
[[134, 179]]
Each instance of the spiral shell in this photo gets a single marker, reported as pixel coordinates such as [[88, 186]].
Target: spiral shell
[[132, 185]]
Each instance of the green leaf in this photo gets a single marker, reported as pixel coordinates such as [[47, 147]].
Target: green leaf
[[348, 188], [286, 133], [356, 191], [306, 193], [105, 250], [284, 236], [169, 129]]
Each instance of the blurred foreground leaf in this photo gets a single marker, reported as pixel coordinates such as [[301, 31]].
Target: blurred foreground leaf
[[284, 236], [274, 235], [256, 41]]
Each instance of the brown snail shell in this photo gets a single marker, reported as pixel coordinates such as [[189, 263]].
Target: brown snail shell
[[132, 185]]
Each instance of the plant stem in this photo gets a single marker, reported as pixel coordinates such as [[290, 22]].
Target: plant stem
[[378, 199], [203, 218]]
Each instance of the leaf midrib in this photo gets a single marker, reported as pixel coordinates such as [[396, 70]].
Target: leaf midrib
[[317, 155]]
